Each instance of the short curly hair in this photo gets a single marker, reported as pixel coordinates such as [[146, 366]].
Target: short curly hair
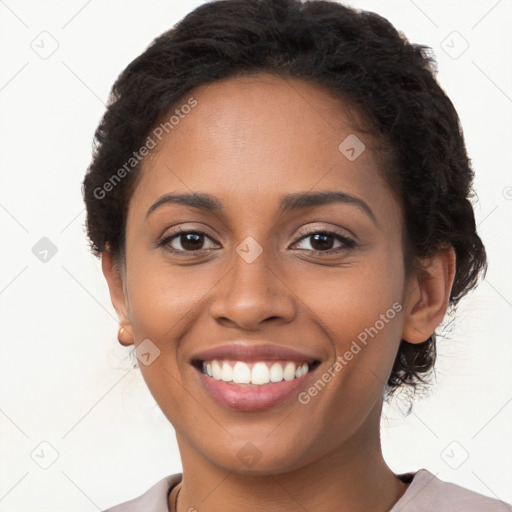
[[360, 58]]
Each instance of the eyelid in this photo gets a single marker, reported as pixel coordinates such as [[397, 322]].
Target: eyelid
[[347, 241], [178, 228], [343, 233]]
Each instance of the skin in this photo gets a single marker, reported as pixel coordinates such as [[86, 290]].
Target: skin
[[248, 142]]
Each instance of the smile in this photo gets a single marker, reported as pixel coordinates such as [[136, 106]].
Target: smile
[[257, 373], [252, 386]]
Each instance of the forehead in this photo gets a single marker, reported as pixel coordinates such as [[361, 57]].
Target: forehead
[[251, 139]]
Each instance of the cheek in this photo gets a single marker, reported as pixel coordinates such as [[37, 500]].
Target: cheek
[[350, 299], [165, 300], [164, 304], [360, 310]]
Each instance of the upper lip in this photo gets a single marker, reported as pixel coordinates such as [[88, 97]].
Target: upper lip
[[248, 351]]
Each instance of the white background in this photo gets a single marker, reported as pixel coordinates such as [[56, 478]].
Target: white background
[[64, 380]]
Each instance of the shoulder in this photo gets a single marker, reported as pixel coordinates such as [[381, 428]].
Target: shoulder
[[153, 500], [426, 492]]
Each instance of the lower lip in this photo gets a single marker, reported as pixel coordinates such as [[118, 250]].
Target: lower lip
[[251, 398]]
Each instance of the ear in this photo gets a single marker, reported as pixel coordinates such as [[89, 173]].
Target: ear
[[428, 296], [114, 277]]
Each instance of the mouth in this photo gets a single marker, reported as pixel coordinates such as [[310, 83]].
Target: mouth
[[248, 376], [254, 373]]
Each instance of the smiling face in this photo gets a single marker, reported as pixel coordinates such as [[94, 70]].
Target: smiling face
[[252, 264]]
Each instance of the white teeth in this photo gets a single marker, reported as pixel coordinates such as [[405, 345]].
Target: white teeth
[[261, 373], [216, 370], [227, 373], [241, 373], [289, 371], [276, 372], [301, 370]]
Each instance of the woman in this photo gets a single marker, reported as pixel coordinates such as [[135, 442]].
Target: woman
[[279, 197]]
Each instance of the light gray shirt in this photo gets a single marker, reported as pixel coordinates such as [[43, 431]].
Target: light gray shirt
[[426, 493]]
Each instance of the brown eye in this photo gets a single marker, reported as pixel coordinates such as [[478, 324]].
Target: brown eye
[[324, 242], [321, 241], [191, 241], [187, 241]]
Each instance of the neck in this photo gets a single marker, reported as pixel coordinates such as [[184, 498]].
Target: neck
[[353, 477]]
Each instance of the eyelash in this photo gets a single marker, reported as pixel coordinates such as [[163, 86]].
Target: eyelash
[[348, 243]]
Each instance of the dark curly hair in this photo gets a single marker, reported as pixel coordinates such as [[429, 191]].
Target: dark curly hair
[[357, 56]]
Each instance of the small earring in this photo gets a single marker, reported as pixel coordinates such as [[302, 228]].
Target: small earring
[[121, 337]]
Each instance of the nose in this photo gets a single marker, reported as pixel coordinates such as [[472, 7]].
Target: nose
[[253, 293]]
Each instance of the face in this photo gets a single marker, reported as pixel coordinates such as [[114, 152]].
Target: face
[[268, 279]]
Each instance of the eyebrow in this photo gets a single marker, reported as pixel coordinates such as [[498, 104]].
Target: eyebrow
[[289, 202], [196, 200]]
